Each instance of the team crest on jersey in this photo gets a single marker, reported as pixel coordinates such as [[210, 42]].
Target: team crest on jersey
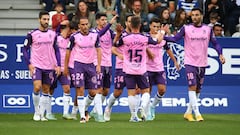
[[50, 35], [178, 52]]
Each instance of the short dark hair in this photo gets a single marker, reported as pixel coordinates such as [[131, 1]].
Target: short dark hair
[[99, 15], [213, 15], [42, 13], [135, 22], [218, 25], [198, 9], [57, 5], [83, 17], [155, 19], [128, 15], [73, 25]]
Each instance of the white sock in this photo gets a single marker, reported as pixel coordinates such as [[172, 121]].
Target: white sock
[[138, 101], [74, 110], [49, 106], [44, 103], [94, 107], [80, 101], [111, 101], [132, 105], [157, 99], [66, 103], [88, 101], [98, 104], [193, 101], [189, 108], [145, 102], [103, 98], [198, 95], [36, 98]]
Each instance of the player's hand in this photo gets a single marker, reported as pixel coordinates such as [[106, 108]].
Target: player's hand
[[31, 69], [119, 28], [177, 66], [165, 28], [98, 69], [114, 12], [58, 70], [65, 72], [120, 56], [222, 59], [113, 20]]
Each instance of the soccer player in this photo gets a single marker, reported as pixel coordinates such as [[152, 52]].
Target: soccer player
[[62, 43], [155, 66], [119, 79], [134, 65], [69, 70], [87, 46], [41, 43], [106, 41], [196, 41]]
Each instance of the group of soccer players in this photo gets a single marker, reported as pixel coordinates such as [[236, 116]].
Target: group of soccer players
[[83, 60]]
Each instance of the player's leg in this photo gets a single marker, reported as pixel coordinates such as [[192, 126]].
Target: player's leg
[[74, 108], [79, 71], [88, 100], [37, 86], [107, 79], [119, 84], [131, 83], [160, 80], [81, 103], [47, 80], [112, 98], [65, 82], [157, 99], [143, 84], [72, 85], [91, 84], [49, 114], [93, 113], [191, 74], [138, 98], [53, 86], [200, 80], [132, 103], [44, 101], [66, 102]]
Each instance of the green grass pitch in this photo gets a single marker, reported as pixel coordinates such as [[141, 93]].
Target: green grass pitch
[[164, 124]]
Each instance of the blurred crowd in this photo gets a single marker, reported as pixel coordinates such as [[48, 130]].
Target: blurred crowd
[[222, 15]]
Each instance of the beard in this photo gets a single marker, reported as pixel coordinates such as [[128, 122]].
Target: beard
[[196, 22], [44, 25]]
